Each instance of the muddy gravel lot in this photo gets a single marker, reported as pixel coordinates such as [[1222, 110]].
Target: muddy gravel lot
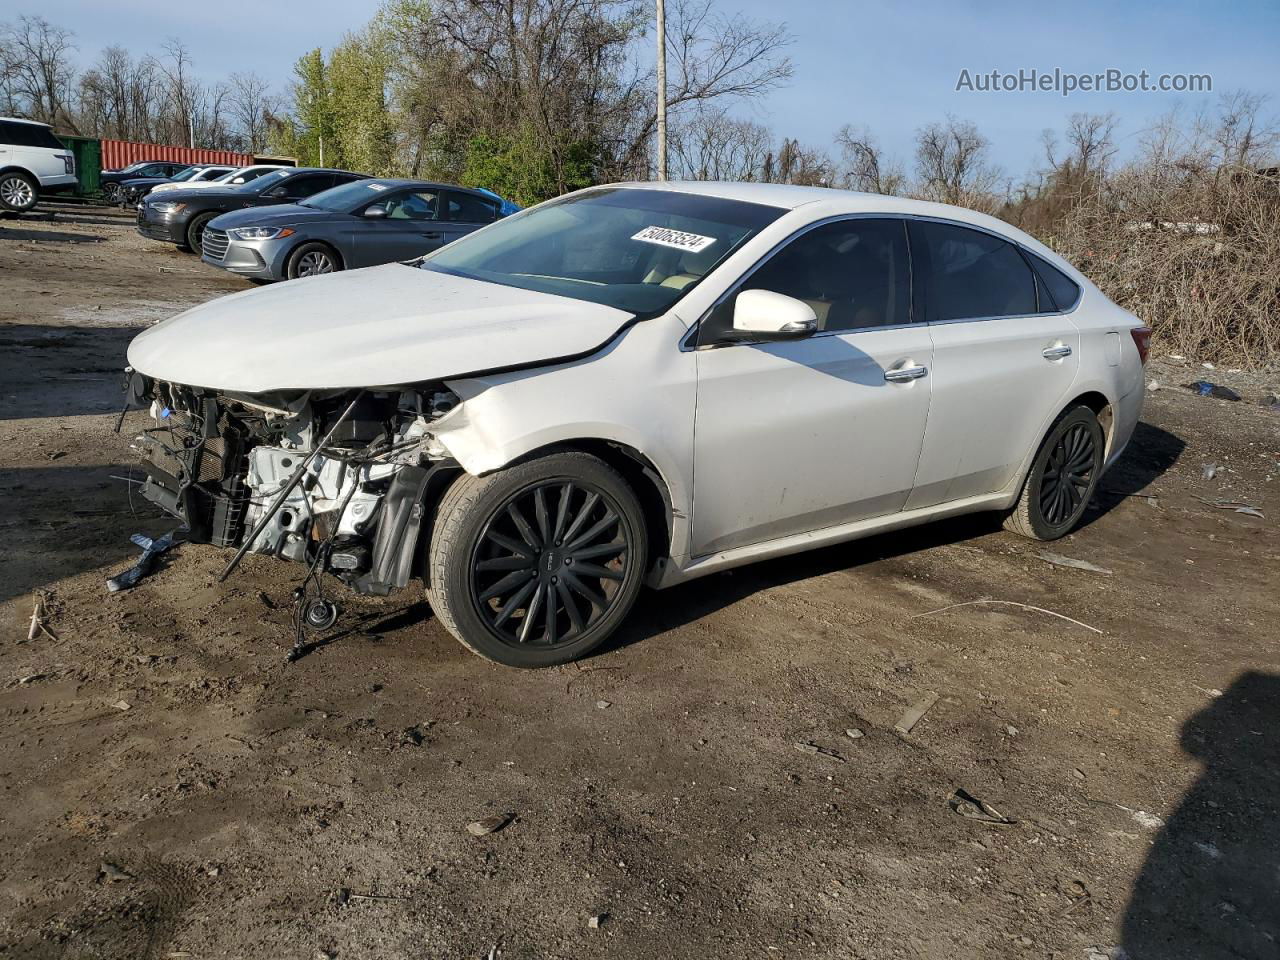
[[1098, 777]]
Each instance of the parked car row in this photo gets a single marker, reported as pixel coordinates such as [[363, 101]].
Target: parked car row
[[290, 222]]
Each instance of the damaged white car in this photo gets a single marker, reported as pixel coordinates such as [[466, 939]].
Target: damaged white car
[[631, 385]]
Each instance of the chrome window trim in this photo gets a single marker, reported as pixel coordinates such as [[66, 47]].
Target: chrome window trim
[[689, 340]]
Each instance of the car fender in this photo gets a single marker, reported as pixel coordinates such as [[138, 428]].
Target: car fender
[[638, 392]]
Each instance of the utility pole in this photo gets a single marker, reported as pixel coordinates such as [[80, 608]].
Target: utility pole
[[662, 90]]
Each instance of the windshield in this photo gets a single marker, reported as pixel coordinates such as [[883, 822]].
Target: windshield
[[265, 182], [186, 174], [347, 197], [638, 250]]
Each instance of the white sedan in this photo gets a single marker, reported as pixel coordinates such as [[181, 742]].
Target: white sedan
[[636, 384], [231, 178]]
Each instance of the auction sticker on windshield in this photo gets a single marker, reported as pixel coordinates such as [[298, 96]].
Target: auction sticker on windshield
[[666, 237]]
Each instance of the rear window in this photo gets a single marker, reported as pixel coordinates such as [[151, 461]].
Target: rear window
[[28, 135], [971, 275], [1063, 291]]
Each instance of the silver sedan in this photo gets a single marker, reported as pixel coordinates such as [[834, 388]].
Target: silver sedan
[[358, 224]]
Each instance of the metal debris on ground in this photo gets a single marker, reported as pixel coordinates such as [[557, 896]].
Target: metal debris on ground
[[816, 751], [1058, 560], [1236, 505], [969, 806], [482, 828], [151, 549], [1203, 388], [915, 712]]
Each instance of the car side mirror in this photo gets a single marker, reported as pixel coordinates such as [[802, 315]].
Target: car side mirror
[[278, 193], [765, 315], [376, 210]]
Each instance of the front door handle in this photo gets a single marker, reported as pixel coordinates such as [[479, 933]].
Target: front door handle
[[1060, 352], [905, 374], [434, 235]]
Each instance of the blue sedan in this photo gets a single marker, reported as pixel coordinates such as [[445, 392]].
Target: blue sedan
[[358, 224]]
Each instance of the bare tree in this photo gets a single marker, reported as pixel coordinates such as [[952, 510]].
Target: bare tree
[[864, 165], [710, 144], [251, 105], [952, 166], [1241, 136], [35, 64], [120, 97], [797, 164], [183, 91]]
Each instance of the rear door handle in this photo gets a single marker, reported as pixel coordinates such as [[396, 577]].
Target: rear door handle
[[1060, 352], [433, 235], [905, 374]]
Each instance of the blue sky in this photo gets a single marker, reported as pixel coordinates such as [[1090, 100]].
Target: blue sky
[[892, 67]]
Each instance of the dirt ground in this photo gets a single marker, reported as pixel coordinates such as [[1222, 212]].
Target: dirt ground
[[172, 788]]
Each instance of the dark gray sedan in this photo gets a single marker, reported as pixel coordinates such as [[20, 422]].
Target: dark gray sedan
[[355, 225]]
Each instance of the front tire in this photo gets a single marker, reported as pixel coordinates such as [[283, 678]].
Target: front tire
[[537, 564], [312, 260], [195, 232], [18, 192], [1062, 478]]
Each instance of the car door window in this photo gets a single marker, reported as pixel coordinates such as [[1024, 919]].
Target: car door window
[[969, 274], [413, 205], [468, 208], [855, 274], [302, 187]]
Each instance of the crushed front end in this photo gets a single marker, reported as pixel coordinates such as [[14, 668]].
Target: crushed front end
[[334, 480]]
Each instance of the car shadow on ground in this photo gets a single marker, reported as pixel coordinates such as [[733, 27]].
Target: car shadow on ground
[[48, 236], [70, 520], [1210, 887], [1150, 453]]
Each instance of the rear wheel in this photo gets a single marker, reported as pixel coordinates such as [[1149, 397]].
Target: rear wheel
[[195, 231], [18, 192], [537, 564], [312, 260], [111, 193], [1062, 478]]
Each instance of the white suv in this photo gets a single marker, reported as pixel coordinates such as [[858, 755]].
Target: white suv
[[32, 161]]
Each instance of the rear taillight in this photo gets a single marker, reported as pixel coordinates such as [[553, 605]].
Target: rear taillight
[[1142, 340]]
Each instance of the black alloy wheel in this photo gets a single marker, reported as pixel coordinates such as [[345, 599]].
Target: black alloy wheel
[[538, 563], [1062, 477], [549, 564], [1068, 475]]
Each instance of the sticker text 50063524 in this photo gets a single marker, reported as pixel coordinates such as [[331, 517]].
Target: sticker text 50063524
[[666, 237]]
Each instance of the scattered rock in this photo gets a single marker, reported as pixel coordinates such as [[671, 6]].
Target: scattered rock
[[1153, 385], [853, 733], [121, 705], [1208, 471], [597, 921], [112, 873], [603, 704], [1077, 773], [482, 828], [1010, 729]]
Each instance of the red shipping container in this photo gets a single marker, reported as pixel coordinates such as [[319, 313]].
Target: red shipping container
[[118, 154]]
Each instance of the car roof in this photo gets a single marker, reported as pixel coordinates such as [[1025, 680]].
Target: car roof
[[835, 202], [410, 182], [34, 123]]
